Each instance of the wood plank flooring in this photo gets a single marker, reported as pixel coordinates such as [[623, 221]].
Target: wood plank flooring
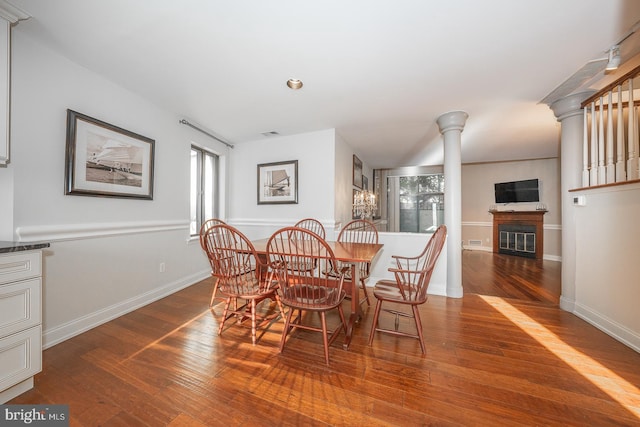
[[503, 355]]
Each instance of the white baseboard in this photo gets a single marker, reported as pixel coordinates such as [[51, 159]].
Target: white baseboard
[[16, 390], [619, 332], [567, 304], [82, 324], [436, 288]]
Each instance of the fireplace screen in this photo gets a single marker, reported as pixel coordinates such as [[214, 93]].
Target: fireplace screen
[[517, 240]]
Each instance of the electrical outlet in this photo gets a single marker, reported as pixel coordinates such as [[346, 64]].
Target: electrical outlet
[[162, 267]]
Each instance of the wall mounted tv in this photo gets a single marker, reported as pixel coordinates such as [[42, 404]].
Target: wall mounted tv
[[517, 191]]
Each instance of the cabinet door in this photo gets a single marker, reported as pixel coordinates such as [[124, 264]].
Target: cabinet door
[[20, 356], [19, 306], [20, 265]]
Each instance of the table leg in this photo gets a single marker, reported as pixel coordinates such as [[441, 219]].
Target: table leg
[[356, 309]]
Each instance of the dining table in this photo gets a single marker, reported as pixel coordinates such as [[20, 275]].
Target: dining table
[[346, 252]]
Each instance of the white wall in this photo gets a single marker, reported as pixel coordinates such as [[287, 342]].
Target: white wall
[[314, 152], [105, 252], [607, 280]]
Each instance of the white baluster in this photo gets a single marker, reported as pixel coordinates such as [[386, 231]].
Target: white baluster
[[611, 169], [602, 174], [585, 147], [593, 152], [621, 173], [632, 159]]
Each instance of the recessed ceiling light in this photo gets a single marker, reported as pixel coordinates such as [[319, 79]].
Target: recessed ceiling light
[[294, 84], [270, 133]]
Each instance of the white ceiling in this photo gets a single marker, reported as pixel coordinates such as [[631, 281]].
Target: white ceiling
[[378, 71]]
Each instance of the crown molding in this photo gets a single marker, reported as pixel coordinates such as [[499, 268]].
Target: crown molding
[[12, 13]]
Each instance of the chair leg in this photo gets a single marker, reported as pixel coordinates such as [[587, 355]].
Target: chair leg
[[285, 331], [215, 291], [416, 317], [325, 338], [366, 293], [253, 321], [344, 322], [374, 324], [280, 306], [224, 314]]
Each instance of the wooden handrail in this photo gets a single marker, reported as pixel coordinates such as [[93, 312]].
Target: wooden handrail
[[612, 184], [607, 88], [625, 105]]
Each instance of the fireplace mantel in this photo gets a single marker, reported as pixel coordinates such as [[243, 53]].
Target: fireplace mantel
[[534, 218]]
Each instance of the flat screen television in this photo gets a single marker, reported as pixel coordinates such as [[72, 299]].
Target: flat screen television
[[517, 191]]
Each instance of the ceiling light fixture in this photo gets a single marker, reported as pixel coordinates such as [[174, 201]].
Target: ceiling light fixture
[[614, 58], [294, 84], [270, 133]]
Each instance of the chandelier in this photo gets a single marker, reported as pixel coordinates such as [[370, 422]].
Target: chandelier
[[364, 204]]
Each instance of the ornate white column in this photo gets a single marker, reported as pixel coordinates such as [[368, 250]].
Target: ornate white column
[[569, 113], [451, 125]]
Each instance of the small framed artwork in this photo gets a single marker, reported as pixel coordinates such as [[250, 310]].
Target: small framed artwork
[[365, 182], [278, 183], [103, 160], [357, 171]]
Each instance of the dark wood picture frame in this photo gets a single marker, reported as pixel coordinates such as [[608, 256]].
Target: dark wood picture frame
[[357, 172], [278, 183], [103, 160]]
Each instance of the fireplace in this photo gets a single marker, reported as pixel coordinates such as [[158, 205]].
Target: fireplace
[[518, 233], [517, 240]]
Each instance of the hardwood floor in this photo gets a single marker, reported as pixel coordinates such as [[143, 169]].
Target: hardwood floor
[[511, 277], [503, 355]]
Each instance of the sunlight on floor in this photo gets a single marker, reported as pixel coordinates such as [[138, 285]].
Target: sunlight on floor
[[619, 389], [168, 334]]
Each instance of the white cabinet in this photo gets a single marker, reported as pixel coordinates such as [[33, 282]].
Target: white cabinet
[[9, 14], [20, 321]]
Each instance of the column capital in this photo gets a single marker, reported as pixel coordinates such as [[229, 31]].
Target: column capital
[[569, 105], [453, 120]]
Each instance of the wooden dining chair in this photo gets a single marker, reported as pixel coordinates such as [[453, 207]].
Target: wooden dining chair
[[241, 275], [412, 276], [359, 231], [205, 226], [312, 225], [306, 290], [316, 227]]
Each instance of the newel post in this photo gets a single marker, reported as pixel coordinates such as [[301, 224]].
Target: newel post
[[451, 125]]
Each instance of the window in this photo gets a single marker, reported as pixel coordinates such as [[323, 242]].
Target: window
[[410, 199], [421, 203], [204, 188]]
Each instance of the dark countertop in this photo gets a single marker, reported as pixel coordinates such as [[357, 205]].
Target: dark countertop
[[6, 247]]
